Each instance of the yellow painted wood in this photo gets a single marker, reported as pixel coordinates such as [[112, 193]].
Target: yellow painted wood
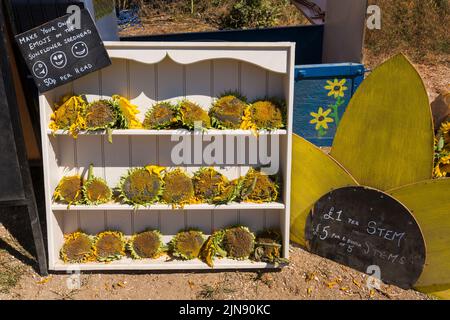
[[385, 138], [314, 174], [445, 295], [429, 202]]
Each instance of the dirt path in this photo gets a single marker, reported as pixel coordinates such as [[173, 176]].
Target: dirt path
[[307, 277]]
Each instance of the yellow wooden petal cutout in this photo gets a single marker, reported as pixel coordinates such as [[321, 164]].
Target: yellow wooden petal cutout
[[429, 201], [313, 175], [385, 138]]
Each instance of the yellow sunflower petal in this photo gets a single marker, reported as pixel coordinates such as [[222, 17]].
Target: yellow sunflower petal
[[313, 175], [391, 104], [429, 201]]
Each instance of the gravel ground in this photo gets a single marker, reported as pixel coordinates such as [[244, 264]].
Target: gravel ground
[[307, 277]]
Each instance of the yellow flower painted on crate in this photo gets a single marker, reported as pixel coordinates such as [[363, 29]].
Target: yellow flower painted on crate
[[336, 88], [321, 118]]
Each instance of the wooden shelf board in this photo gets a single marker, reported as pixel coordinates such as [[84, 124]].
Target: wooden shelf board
[[163, 263], [122, 207], [143, 132]]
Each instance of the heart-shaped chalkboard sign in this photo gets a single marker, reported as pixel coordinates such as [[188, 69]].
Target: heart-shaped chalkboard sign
[[369, 231]]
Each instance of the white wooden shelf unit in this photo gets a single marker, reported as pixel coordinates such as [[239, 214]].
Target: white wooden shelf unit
[[149, 72]]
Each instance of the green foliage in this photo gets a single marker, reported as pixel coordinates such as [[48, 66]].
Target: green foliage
[[252, 14]]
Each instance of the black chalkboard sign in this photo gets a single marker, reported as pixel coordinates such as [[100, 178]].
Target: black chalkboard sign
[[367, 230], [58, 52]]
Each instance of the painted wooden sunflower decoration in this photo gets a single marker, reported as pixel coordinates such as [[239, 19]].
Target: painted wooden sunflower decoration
[[384, 142]]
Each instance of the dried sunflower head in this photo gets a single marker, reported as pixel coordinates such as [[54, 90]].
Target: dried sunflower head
[[141, 186], [69, 190], [228, 112], [228, 193], [77, 248], [147, 244], [109, 246], [238, 242], [99, 115], [95, 190], [263, 114], [208, 184], [268, 247], [162, 115], [213, 248], [191, 114], [68, 115], [178, 188], [258, 187], [126, 113], [187, 245]]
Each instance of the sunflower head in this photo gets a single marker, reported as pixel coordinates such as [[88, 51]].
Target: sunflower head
[[213, 248], [442, 167], [258, 187], [77, 248], [69, 190], [178, 188], [191, 114], [187, 245], [109, 246], [126, 113], [69, 115], [444, 132], [162, 115], [238, 242], [228, 192], [145, 245], [100, 115], [228, 112], [208, 184], [263, 114], [141, 186], [268, 246]]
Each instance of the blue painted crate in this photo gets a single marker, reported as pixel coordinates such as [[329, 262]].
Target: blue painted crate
[[321, 95]]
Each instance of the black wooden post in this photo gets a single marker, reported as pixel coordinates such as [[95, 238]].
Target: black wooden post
[[16, 188]]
